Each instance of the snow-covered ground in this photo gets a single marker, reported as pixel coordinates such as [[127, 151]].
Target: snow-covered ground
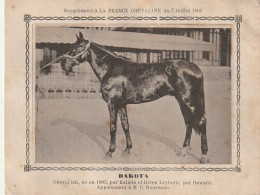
[[77, 130]]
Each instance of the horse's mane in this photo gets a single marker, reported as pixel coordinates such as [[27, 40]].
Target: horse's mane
[[110, 53]]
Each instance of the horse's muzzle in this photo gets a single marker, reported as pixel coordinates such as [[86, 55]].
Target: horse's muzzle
[[67, 64]]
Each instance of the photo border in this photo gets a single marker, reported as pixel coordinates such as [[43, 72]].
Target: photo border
[[28, 167]]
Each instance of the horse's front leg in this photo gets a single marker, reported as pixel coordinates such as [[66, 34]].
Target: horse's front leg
[[124, 121], [113, 127]]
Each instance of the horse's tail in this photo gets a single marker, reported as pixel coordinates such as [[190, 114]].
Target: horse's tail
[[188, 81], [198, 98]]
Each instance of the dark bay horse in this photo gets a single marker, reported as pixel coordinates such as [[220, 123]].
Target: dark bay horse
[[126, 82]]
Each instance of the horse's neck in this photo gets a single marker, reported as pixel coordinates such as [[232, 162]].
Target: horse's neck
[[97, 60]]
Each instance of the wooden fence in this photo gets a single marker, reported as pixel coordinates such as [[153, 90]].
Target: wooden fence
[[80, 84]]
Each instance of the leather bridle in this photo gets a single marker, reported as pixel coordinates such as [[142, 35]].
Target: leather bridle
[[73, 58]]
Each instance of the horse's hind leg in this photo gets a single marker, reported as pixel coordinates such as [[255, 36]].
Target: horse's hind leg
[[124, 121], [187, 118], [187, 115], [201, 127], [196, 121]]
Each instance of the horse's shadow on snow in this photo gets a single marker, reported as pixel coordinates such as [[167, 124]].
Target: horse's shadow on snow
[[94, 132]]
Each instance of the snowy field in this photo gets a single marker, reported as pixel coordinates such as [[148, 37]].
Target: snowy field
[[77, 130]]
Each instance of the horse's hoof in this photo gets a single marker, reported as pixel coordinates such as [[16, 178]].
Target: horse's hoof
[[181, 152], [108, 156], [204, 160], [188, 148], [126, 153]]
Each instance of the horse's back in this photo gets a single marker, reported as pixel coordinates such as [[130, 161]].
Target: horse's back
[[179, 65]]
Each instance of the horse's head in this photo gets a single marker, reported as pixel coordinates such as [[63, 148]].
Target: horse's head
[[77, 54]]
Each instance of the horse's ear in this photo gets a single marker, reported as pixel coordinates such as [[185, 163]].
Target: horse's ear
[[81, 35], [77, 36]]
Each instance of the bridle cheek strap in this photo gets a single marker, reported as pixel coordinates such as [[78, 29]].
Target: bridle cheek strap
[[74, 58]]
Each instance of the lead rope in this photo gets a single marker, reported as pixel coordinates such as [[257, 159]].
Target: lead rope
[[55, 60]]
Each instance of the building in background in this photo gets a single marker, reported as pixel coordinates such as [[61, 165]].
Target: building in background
[[203, 46], [220, 38]]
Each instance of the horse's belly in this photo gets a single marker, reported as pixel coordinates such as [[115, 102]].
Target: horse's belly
[[147, 93]]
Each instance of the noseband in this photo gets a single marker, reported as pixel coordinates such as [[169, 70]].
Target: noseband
[[74, 58]]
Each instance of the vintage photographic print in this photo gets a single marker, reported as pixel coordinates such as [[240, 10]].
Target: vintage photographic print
[[149, 95], [131, 97]]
